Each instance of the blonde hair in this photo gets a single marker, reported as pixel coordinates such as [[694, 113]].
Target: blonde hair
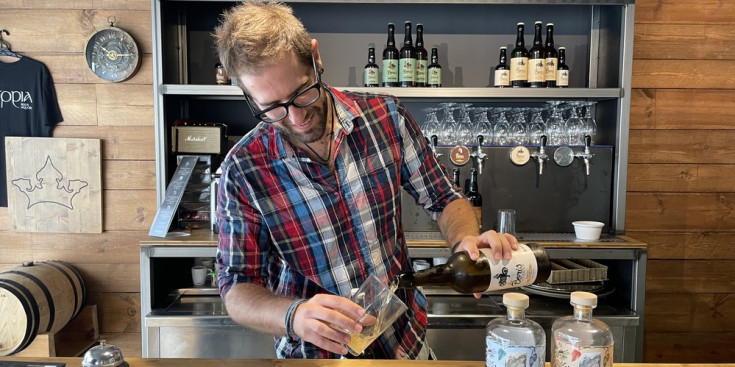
[[255, 34]]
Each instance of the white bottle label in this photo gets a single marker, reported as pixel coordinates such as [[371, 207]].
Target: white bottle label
[[500, 355], [570, 355], [521, 270], [407, 70], [536, 71], [502, 78], [562, 78], [551, 64], [519, 68], [371, 76]]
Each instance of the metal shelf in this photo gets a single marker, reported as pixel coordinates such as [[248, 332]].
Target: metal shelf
[[500, 93]]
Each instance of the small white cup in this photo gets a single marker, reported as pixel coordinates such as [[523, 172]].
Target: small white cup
[[207, 262], [199, 274], [587, 230]]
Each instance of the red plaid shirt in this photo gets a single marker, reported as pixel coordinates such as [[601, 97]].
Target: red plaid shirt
[[298, 228]]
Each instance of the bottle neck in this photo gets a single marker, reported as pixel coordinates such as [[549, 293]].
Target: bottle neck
[[407, 41], [516, 313], [391, 36], [371, 56], [434, 56], [473, 181], [582, 313], [549, 36], [562, 56], [419, 37], [537, 35], [519, 38], [503, 57]]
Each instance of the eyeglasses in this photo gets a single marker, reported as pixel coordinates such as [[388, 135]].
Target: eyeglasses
[[302, 99]]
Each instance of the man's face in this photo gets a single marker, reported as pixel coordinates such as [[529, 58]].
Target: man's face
[[278, 84]]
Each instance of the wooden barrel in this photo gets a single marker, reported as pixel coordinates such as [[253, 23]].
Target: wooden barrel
[[37, 298]]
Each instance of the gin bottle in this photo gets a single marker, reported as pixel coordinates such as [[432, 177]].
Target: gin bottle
[[515, 341], [580, 340]]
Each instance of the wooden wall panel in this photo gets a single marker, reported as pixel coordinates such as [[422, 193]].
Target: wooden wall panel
[[681, 146], [684, 313], [688, 347], [121, 114], [643, 109], [684, 42], [687, 245], [685, 11], [692, 74], [681, 177], [680, 212], [690, 276]]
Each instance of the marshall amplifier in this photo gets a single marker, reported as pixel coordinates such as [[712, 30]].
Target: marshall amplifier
[[199, 138]]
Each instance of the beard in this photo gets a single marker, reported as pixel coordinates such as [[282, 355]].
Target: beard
[[316, 132]]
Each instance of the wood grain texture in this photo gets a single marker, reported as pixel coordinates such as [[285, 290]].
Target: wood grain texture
[[110, 278], [684, 42], [124, 105], [681, 177], [687, 245], [689, 347], [128, 175], [643, 109], [120, 312], [690, 74], [118, 142], [129, 210], [78, 104], [690, 276], [104, 248], [685, 11], [681, 146], [689, 313], [72, 68], [696, 212], [77, 4]]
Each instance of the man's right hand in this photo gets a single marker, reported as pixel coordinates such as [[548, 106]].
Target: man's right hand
[[312, 320]]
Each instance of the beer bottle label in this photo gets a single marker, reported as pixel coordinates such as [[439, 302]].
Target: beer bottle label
[[421, 66], [371, 76], [562, 78], [551, 64], [390, 71], [521, 270], [502, 78], [435, 76], [407, 70], [536, 71], [519, 68]]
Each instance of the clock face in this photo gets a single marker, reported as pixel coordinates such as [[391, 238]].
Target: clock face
[[113, 54]]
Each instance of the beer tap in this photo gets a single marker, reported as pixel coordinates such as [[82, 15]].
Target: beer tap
[[540, 155], [479, 155], [586, 155], [434, 140]]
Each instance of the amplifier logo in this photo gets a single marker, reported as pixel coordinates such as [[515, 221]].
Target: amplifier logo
[[196, 139]]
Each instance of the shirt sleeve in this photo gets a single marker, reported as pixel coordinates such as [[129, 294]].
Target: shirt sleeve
[[423, 177], [243, 241], [51, 112]]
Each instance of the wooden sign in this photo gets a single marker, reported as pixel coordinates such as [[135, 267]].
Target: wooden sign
[[54, 184]]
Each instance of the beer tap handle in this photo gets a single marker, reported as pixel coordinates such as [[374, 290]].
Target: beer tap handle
[[540, 155], [434, 143], [479, 155], [587, 143]]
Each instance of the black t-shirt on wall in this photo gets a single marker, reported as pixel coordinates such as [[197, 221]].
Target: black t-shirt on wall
[[28, 106]]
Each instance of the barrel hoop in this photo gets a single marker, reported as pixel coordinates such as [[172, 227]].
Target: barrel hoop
[[81, 282], [49, 298], [73, 286], [29, 307]]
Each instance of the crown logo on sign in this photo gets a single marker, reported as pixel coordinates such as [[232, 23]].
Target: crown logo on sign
[[49, 187]]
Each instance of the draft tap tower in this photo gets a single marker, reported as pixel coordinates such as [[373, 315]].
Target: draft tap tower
[[478, 155], [540, 156], [586, 155]]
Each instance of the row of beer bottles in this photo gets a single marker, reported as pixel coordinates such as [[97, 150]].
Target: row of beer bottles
[[409, 67], [541, 66]]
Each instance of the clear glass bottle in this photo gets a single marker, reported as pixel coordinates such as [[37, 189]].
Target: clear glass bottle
[[515, 341], [580, 340]]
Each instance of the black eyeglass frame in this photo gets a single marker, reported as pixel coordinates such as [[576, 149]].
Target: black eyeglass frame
[[262, 114]]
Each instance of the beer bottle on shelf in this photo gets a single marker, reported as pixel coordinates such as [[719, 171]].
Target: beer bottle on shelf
[[390, 59], [475, 198], [530, 264], [508, 338], [519, 61], [502, 73], [434, 70], [455, 178], [422, 62], [562, 71], [552, 60], [407, 59], [371, 68], [536, 59], [220, 75], [581, 332]]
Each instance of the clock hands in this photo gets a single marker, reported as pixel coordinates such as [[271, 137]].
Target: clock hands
[[113, 55]]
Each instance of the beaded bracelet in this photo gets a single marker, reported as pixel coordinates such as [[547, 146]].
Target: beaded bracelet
[[288, 321]]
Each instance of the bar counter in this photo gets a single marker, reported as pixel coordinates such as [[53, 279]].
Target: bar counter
[[196, 362]]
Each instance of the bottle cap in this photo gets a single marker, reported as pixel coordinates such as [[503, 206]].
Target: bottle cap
[[562, 48], [503, 48], [551, 24], [517, 300], [371, 45], [584, 299], [521, 23], [538, 22]]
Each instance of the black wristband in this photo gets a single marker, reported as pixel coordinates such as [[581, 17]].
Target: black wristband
[[454, 248]]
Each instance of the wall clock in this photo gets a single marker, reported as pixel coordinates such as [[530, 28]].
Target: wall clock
[[112, 54]]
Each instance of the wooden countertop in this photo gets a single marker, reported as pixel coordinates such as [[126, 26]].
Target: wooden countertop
[[205, 237], [197, 362]]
